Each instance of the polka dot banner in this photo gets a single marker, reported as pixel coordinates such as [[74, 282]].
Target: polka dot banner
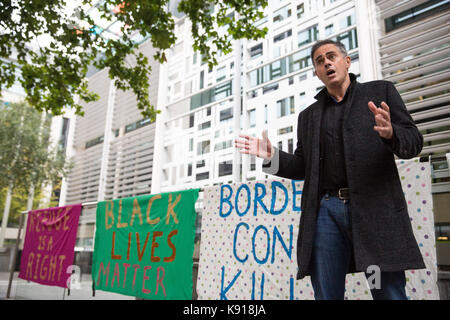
[[415, 177], [249, 240]]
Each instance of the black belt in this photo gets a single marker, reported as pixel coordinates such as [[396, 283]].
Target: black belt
[[342, 193]]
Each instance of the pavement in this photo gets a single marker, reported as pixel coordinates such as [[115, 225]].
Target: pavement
[[24, 290]]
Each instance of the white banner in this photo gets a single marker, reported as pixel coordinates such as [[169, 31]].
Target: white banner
[[249, 240]]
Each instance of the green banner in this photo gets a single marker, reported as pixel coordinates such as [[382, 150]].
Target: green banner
[[144, 245]]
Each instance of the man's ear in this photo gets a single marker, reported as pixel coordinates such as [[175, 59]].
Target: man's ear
[[349, 62], [315, 73]]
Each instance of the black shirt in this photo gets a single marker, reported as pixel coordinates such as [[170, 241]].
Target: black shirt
[[333, 172]]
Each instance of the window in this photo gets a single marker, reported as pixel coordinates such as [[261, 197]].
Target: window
[[226, 114], [285, 130], [347, 21], [221, 74], [285, 107], [300, 60], [223, 145], [329, 29], [203, 147], [282, 36], [349, 39], [225, 169], [222, 91], [256, 51], [270, 88], [189, 173], [281, 67], [269, 72], [300, 10], [416, 13], [191, 144], [280, 145], [137, 125], [93, 142], [200, 164], [65, 131], [202, 79], [211, 95], [252, 118], [277, 69], [256, 77], [204, 125], [202, 176], [307, 36], [281, 14], [191, 120], [291, 80]]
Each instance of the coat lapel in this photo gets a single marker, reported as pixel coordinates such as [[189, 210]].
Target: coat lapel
[[317, 121], [351, 98]]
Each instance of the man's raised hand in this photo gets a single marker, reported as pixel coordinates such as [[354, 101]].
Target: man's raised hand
[[261, 148], [382, 120]]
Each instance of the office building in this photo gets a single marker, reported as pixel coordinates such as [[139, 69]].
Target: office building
[[414, 54]]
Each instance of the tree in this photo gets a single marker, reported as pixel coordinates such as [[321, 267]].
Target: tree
[[26, 160], [25, 156], [19, 203], [53, 74]]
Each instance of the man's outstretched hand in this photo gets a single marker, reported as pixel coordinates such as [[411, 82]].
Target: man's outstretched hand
[[261, 148], [382, 120]]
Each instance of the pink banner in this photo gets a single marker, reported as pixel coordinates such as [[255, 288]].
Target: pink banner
[[49, 245]]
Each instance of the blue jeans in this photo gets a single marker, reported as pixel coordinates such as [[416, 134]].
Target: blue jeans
[[332, 254]]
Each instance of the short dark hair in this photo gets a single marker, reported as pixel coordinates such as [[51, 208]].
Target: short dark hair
[[320, 43]]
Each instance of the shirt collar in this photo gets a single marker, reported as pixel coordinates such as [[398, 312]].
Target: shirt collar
[[324, 91]]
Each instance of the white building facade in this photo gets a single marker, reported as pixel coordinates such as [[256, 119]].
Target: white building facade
[[197, 124]]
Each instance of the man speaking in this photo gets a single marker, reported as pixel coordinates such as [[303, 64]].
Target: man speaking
[[354, 214]]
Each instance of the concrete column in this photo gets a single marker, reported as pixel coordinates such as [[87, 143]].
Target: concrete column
[[5, 216], [69, 152], [237, 106], [368, 31], [107, 137], [158, 149], [245, 119]]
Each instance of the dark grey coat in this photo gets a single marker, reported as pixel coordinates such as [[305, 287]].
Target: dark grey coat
[[382, 232]]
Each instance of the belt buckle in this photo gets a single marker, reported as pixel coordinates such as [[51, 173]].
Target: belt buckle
[[340, 196]]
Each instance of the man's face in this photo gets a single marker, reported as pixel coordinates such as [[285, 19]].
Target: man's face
[[331, 67]]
